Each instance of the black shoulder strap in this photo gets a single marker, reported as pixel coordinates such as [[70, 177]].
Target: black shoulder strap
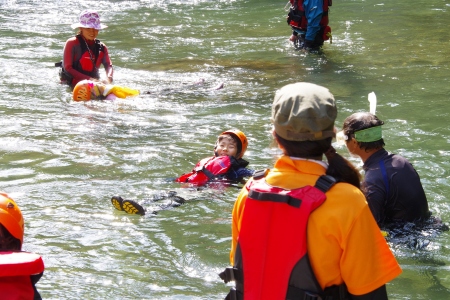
[[325, 182], [260, 174], [98, 46], [82, 43]]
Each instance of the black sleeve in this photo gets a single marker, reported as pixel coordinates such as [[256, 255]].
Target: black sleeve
[[378, 294]]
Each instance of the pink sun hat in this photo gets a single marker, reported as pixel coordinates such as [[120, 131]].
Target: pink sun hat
[[89, 19]]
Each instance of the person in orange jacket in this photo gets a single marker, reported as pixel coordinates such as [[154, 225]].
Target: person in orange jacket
[[303, 230]]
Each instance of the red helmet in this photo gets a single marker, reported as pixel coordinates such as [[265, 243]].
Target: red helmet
[[11, 216], [242, 138]]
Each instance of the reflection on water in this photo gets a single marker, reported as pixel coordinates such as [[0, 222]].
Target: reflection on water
[[62, 161]]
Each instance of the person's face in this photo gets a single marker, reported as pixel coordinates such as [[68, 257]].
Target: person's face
[[352, 146], [89, 33], [226, 147]]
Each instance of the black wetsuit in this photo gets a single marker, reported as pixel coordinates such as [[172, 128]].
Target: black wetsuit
[[393, 189]]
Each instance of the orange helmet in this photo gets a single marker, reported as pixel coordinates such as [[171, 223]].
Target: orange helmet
[[242, 138], [11, 216], [86, 90]]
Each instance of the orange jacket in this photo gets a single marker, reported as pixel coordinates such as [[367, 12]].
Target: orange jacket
[[345, 244]]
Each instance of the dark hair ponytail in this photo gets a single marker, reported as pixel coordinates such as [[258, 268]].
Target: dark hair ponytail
[[338, 167], [342, 169]]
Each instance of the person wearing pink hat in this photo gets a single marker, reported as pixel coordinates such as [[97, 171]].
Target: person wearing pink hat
[[84, 53]]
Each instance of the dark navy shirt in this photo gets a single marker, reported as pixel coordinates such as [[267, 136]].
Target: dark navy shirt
[[406, 201]]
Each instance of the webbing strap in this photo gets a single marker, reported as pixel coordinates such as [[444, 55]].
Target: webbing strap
[[234, 295], [385, 177], [260, 174], [273, 197], [325, 182], [295, 293], [207, 173], [334, 292]]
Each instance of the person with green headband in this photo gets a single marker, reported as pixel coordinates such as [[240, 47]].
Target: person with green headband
[[391, 184]]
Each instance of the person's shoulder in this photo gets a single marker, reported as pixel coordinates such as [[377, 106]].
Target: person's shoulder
[[344, 203], [72, 40], [345, 187], [346, 194], [102, 44]]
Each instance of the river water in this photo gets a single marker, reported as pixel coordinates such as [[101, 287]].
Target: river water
[[63, 160]]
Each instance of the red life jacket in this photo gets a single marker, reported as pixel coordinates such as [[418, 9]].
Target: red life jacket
[[207, 169], [296, 17], [90, 60], [16, 272], [271, 260]]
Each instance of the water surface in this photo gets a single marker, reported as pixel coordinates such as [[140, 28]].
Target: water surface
[[62, 160]]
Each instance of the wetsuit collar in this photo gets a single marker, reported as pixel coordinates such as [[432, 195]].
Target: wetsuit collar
[[375, 158]]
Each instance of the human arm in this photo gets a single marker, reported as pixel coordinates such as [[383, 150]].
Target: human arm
[[238, 210], [348, 246], [108, 65], [237, 173], [367, 261]]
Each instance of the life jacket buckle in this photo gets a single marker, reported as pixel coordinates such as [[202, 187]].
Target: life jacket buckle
[[231, 274]]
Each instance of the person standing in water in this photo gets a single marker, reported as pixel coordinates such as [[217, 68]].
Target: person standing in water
[[309, 22], [391, 184], [84, 53], [303, 230]]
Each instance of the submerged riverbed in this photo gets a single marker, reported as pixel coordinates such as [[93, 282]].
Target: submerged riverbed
[[63, 160]]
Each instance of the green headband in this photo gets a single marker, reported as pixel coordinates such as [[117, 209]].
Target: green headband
[[367, 135]]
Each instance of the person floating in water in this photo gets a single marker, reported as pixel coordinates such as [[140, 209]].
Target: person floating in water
[[227, 166], [165, 199], [86, 90], [227, 163], [84, 53]]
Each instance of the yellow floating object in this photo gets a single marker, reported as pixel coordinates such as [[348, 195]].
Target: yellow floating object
[[122, 92], [384, 233]]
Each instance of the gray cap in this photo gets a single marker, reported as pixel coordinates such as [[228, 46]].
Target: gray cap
[[304, 112]]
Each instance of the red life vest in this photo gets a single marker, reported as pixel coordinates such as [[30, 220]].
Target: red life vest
[[271, 260], [90, 60], [207, 169], [16, 269], [297, 19]]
